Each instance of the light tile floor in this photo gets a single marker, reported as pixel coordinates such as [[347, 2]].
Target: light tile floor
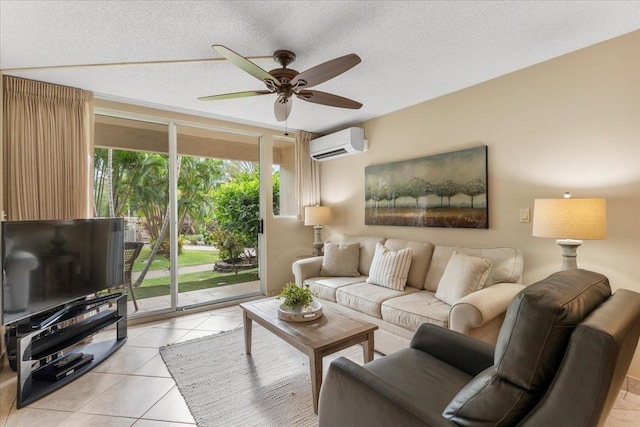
[[134, 388]]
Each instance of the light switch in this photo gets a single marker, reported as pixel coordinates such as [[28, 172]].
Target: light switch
[[525, 215]]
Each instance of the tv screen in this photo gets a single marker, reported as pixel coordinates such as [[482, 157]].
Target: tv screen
[[49, 263]]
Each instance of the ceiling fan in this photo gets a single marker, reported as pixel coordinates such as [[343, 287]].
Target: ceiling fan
[[286, 82]]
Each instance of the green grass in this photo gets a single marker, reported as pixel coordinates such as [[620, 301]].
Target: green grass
[[188, 257], [194, 277], [193, 282], [187, 282]]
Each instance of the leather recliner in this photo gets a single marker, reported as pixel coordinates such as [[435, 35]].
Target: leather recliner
[[562, 354]]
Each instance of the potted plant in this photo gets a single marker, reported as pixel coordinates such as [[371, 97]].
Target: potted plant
[[296, 298]]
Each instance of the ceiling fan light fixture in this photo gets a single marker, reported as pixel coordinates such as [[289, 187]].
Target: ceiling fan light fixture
[[282, 108]]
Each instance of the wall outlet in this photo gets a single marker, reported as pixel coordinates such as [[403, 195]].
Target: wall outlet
[[525, 215]]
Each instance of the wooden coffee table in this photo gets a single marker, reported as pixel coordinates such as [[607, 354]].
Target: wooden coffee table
[[330, 333]]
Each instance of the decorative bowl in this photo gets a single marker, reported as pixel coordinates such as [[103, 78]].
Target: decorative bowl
[[308, 314]]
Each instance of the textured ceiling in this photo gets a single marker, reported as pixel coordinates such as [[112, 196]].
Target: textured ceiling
[[411, 51]]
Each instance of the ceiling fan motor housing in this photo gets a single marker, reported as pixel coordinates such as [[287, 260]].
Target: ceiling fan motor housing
[[284, 57]]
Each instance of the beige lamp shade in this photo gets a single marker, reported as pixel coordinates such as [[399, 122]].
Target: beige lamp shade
[[317, 215], [583, 219]]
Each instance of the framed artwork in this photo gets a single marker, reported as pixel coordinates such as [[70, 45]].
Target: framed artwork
[[445, 190]]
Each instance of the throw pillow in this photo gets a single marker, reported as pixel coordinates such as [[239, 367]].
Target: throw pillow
[[390, 268], [340, 260], [464, 274]]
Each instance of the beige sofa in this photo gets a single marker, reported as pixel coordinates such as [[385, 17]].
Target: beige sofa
[[398, 313]]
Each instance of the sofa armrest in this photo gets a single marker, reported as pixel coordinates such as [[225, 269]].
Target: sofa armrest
[[353, 396], [466, 353], [480, 307], [305, 268]]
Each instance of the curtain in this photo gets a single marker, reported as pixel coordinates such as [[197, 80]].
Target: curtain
[[47, 150], [308, 176]]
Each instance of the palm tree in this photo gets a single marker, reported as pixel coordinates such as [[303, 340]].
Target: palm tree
[[151, 196], [163, 230], [199, 177], [114, 184]]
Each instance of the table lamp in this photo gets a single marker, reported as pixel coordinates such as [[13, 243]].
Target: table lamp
[[317, 216], [570, 221]]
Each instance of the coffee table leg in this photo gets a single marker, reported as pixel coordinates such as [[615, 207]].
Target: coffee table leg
[[367, 348], [315, 363], [247, 322]]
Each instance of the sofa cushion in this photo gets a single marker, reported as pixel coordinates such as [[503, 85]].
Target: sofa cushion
[[506, 264], [464, 274], [420, 258], [367, 249], [367, 298], [325, 287], [411, 311], [340, 260], [390, 268], [530, 348]]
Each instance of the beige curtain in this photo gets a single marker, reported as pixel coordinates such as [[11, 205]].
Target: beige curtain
[[308, 176], [47, 150]]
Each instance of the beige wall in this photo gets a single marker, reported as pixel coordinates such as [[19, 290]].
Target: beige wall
[[568, 124]]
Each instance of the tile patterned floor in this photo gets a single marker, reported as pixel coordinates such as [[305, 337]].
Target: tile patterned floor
[[134, 388]]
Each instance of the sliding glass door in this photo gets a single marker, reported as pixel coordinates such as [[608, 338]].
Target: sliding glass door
[[208, 180], [131, 180], [218, 202]]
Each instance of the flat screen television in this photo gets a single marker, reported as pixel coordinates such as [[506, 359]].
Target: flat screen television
[[49, 263]]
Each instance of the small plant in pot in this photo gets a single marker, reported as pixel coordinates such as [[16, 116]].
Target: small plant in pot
[[296, 298]]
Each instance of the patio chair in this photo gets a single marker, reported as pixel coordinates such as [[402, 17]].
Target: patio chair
[[131, 252]]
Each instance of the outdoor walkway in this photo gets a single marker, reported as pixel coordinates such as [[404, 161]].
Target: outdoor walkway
[[193, 297], [153, 274], [196, 297]]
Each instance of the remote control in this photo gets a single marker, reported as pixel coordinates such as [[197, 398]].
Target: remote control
[[67, 359]]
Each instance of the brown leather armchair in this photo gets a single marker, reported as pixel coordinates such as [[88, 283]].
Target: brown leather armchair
[[561, 357]]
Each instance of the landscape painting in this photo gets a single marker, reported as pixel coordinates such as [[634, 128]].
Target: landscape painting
[[445, 190]]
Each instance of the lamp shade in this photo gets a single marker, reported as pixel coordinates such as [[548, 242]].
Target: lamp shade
[[570, 218], [317, 215]]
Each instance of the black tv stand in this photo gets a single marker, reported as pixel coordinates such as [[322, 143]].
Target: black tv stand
[[40, 342]]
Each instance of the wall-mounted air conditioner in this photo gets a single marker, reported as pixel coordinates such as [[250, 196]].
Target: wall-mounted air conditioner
[[342, 143]]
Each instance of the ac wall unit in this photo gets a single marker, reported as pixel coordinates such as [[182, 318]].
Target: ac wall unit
[[339, 144]]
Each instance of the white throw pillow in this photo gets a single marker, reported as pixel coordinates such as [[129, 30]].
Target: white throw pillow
[[390, 268], [340, 260], [464, 274]]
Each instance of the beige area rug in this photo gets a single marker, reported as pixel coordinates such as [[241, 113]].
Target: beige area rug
[[223, 386]]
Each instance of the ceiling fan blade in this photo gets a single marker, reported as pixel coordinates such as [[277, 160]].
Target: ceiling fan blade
[[245, 64], [324, 98], [235, 95], [325, 71], [282, 108]]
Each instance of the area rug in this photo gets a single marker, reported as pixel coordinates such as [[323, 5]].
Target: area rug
[[223, 386]]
